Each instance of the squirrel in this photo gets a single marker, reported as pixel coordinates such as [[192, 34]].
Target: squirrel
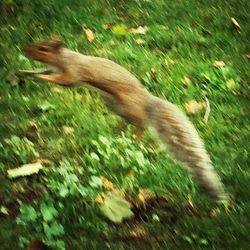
[[128, 98]]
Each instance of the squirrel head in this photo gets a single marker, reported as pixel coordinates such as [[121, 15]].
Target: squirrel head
[[46, 52]]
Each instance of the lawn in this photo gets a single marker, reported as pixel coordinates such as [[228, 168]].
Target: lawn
[[185, 51]]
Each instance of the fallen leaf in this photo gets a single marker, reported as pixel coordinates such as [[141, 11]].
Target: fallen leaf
[[247, 56], [212, 213], [107, 26], [140, 30], [120, 30], [107, 184], [168, 61], [46, 106], [219, 64], [32, 130], [32, 125], [190, 207], [4, 210], [41, 160], [186, 81], [232, 85], [89, 34], [116, 208], [140, 41], [131, 173], [12, 79], [235, 23], [138, 231], [8, 7], [99, 199], [68, 130], [153, 74], [57, 90], [24, 170], [193, 107], [145, 194]]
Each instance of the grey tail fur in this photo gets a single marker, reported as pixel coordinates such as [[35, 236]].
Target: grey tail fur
[[182, 139]]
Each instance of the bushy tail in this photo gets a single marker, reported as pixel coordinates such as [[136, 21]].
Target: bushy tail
[[182, 139]]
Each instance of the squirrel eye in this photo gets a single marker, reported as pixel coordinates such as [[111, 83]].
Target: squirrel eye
[[43, 49]]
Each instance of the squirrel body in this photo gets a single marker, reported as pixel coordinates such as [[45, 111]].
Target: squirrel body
[[126, 96]]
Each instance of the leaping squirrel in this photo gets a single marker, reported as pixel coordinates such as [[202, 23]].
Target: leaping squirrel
[[126, 97]]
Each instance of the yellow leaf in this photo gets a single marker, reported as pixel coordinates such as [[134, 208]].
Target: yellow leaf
[[107, 184], [116, 208], [41, 160], [99, 199], [120, 30], [232, 85], [57, 90], [107, 26], [235, 23], [139, 30], [247, 56], [68, 130], [186, 81], [89, 34], [140, 41], [145, 195], [219, 64], [24, 170], [193, 107]]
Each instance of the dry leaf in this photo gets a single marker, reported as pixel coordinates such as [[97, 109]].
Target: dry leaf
[[41, 160], [89, 34], [247, 56], [140, 41], [57, 90], [219, 64], [120, 29], [140, 30], [212, 213], [8, 7], [99, 199], [186, 81], [145, 195], [235, 23], [107, 26], [193, 107], [107, 184], [24, 170], [190, 207], [131, 173], [116, 208], [138, 231], [232, 85], [169, 61], [4, 210], [68, 130]]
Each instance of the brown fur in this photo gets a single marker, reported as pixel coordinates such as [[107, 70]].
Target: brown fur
[[128, 98]]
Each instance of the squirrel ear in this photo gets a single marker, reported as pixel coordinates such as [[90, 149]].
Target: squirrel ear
[[56, 43]]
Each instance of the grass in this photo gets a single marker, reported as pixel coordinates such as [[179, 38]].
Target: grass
[[58, 205]]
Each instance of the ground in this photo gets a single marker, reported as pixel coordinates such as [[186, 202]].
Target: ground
[[186, 51]]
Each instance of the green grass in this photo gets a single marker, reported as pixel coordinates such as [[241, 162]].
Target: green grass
[[184, 39]]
